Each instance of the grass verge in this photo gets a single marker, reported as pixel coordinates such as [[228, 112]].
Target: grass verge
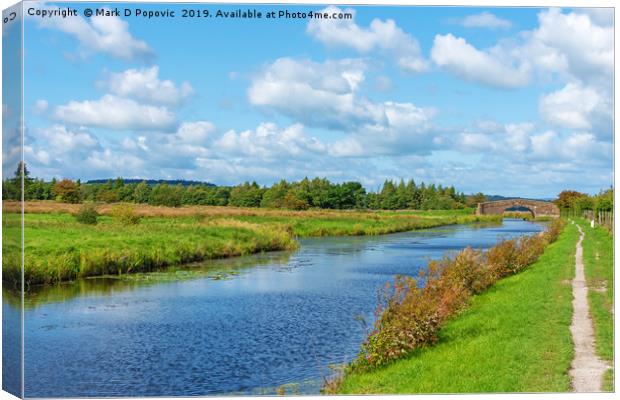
[[598, 258], [514, 337]]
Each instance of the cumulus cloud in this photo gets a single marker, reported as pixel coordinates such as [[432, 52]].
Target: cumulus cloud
[[112, 112], [37, 155], [485, 20], [269, 141], [573, 148], [321, 94], [144, 85], [510, 139], [603, 16], [195, 132], [472, 141], [114, 163], [523, 143], [327, 95], [108, 35], [572, 44], [487, 67], [58, 146], [60, 140], [588, 48], [131, 144], [575, 106], [383, 36]]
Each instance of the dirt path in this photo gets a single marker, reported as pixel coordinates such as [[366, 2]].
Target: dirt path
[[587, 368]]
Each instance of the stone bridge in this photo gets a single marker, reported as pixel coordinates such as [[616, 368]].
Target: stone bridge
[[537, 207]]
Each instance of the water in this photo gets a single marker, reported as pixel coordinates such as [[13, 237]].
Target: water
[[278, 319]]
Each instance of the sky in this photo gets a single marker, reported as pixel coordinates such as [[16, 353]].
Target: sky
[[509, 101]]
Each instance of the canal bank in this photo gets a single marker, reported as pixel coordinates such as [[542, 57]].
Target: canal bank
[[514, 337]]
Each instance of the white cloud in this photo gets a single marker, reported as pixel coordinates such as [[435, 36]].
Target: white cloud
[[573, 148], [116, 113], [477, 141], [114, 164], [195, 132], [603, 16], [37, 155], [348, 147], [575, 45], [381, 35], [131, 145], [108, 35], [544, 145], [571, 107], [520, 144], [57, 146], [321, 94], [60, 140], [326, 95], [508, 139], [517, 136], [145, 85], [269, 141], [587, 47], [485, 20], [487, 67]]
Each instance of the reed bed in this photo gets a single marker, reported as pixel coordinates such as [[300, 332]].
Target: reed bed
[[146, 210], [58, 248]]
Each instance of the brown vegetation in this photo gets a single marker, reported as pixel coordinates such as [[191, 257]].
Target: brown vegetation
[[412, 314], [145, 210]]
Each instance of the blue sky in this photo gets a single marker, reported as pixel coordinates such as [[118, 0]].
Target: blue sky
[[512, 101]]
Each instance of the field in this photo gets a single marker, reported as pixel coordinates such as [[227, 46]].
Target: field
[[58, 248], [512, 338]]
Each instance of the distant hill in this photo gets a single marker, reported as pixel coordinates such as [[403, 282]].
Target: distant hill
[[494, 197], [153, 182]]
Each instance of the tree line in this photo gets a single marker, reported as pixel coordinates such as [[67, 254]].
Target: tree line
[[571, 200], [300, 195]]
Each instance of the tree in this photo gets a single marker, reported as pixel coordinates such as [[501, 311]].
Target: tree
[[275, 195], [604, 201], [165, 195], [568, 198], [66, 191], [294, 201], [246, 195], [388, 196], [142, 192]]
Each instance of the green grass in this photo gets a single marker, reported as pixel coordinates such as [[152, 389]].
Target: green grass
[[58, 248], [513, 338], [598, 261], [361, 224]]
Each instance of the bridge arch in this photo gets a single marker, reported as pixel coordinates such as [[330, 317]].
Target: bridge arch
[[537, 207]]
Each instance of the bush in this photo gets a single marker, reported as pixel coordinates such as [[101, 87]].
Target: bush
[[125, 214], [87, 214], [165, 195], [409, 317], [66, 191]]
